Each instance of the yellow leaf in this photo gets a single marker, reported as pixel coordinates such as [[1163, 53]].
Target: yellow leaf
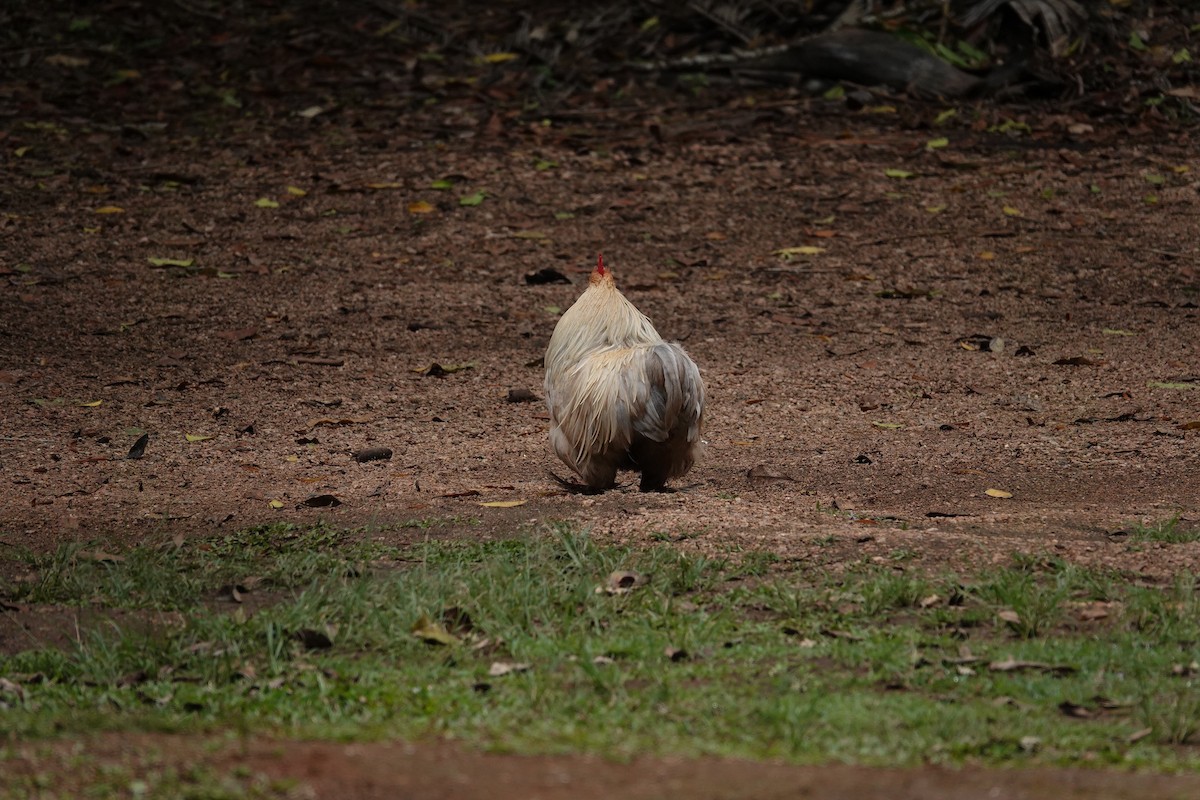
[[420, 207], [998, 493], [987, 255], [803, 250], [266, 202], [881, 109], [92, 404], [1117, 332], [296, 191], [276, 504], [898, 174], [21, 151], [197, 437], [936, 144], [887, 426], [432, 632], [935, 209], [503, 503], [110, 210], [499, 58], [1011, 211]]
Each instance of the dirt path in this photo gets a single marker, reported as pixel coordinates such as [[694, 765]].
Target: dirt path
[[384, 771]]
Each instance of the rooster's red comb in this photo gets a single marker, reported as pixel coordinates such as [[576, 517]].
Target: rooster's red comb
[[600, 263]]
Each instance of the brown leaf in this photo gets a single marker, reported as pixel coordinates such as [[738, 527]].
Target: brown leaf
[[521, 396], [321, 501], [237, 334], [676, 654], [1013, 665], [1137, 736], [320, 361], [372, 454], [499, 669], [622, 582], [1074, 710], [764, 473], [313, 639], [1010, 616]]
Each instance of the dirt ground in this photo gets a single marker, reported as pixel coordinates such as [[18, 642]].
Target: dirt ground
[[1016, 310]]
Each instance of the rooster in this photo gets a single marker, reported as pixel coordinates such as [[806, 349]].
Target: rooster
[[619, 396]]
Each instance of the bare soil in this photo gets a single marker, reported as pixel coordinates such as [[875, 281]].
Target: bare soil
[[1016, 312]]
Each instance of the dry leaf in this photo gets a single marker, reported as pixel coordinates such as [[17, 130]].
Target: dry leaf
[[501, 668], [622, 582], [432, 632], [998, 493], [420, 207], [1008, 615], [503, 503], [197, 437]]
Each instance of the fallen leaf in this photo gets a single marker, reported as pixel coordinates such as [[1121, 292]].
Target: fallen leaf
[[378, 185], [937, 144], [521, 396], [898, 174], [101, 557], [472, 199], [1171, 385], [91, 404], [310, 112], [499, 669], [266, 202], [676, 654], [63, 60], [321, 501], [1009, 616], [442, 184], [887, 426], [420, 207], [1194, 425], [622, 582], [1012, 211], [197, 437], [139, 447], [503, 503], [436, 370], [313, 639], [998, 493], [802, 250], [110, 210], [276, 504], [171, 262], [1137, 736], [1117, 332], [766, 474], [498, 58], [931, 600], [237, 334], [432, 632], [1013, 665], [372, 454], [296, 191]]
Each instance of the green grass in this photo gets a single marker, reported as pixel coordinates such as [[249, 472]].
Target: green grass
[[732, 656], [1168, 530]]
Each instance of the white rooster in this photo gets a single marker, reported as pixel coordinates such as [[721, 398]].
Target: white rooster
[[619, 396]]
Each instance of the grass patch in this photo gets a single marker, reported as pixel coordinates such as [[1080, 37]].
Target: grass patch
[[546, 649], [1168, 530]]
